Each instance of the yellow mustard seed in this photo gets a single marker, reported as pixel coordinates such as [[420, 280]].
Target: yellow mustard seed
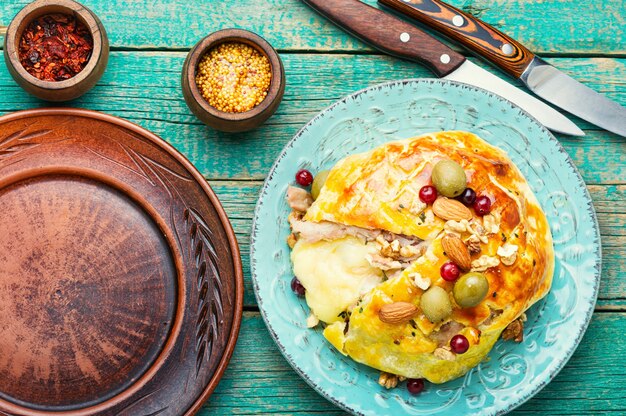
[[234, 77]]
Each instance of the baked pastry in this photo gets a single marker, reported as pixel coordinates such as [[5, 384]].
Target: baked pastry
[[419, 254]]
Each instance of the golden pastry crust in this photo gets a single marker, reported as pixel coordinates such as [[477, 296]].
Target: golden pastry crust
[[512, 247]]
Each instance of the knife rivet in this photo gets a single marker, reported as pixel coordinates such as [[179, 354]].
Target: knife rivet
[[507, 48], [445, 58], [405, 37], [457, 20]]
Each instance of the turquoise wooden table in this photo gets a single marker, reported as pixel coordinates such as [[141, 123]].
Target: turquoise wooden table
[[149, 41]]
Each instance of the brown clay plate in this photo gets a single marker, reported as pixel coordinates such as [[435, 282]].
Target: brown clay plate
[[120, 278]]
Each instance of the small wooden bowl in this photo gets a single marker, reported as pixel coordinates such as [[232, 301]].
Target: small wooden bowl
[[232, 122], [62, 90]]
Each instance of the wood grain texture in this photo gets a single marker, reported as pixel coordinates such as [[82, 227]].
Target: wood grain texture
[[259, 380], [389, 34], [226, 121], [549, 27], [468, 31], [75, 86], [153, 99], [150, 39]]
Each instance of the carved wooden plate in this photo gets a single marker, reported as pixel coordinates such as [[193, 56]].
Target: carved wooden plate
[[120, 278]]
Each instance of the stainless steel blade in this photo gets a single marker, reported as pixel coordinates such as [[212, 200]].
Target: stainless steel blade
[[554, 86], [472, 74]]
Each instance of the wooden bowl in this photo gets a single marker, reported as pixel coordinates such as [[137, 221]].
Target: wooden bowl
[[62, 90], [121, 287], [232, 122]]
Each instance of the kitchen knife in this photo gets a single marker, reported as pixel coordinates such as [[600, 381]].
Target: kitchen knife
[[540, 77], [402, 39]]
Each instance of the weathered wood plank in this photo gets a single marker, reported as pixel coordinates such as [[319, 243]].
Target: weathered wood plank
[[610, 204], [545, 27], [144, 88], [153, 100], [611, 305], [259, 380], [239, 199]]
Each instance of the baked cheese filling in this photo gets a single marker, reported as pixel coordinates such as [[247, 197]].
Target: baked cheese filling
[[417, 256]]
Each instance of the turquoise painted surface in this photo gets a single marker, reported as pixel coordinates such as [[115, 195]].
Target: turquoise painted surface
[[144, 88], [545, 26], [584, 38], [263, 382]]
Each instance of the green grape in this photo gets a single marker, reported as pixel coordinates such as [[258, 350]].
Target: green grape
[[449, 178], [470, 289], [318, 183], [435, 304]]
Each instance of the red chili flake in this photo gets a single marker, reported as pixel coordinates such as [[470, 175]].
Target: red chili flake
[[55, 47]]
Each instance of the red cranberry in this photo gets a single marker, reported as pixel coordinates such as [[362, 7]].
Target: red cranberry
[[428, 194], [415, 385], [450, 271], [482, 205], [304, 177], [467, 197], [297, 287], [459, 344]]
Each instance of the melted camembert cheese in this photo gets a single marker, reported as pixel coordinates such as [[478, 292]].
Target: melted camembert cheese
[[378, 190]]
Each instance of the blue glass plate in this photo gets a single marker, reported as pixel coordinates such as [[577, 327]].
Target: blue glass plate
[[514, 372]]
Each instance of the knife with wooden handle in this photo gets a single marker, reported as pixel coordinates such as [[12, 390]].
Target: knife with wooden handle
[[467, 30], [399, 38], [389, 34], [512, 57]]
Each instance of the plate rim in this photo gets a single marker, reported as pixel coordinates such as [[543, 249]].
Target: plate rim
[[590, 209], [215, 203]]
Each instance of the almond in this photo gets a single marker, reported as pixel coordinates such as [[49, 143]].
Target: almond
[[457, 251], [451, 209], [397, 312]]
